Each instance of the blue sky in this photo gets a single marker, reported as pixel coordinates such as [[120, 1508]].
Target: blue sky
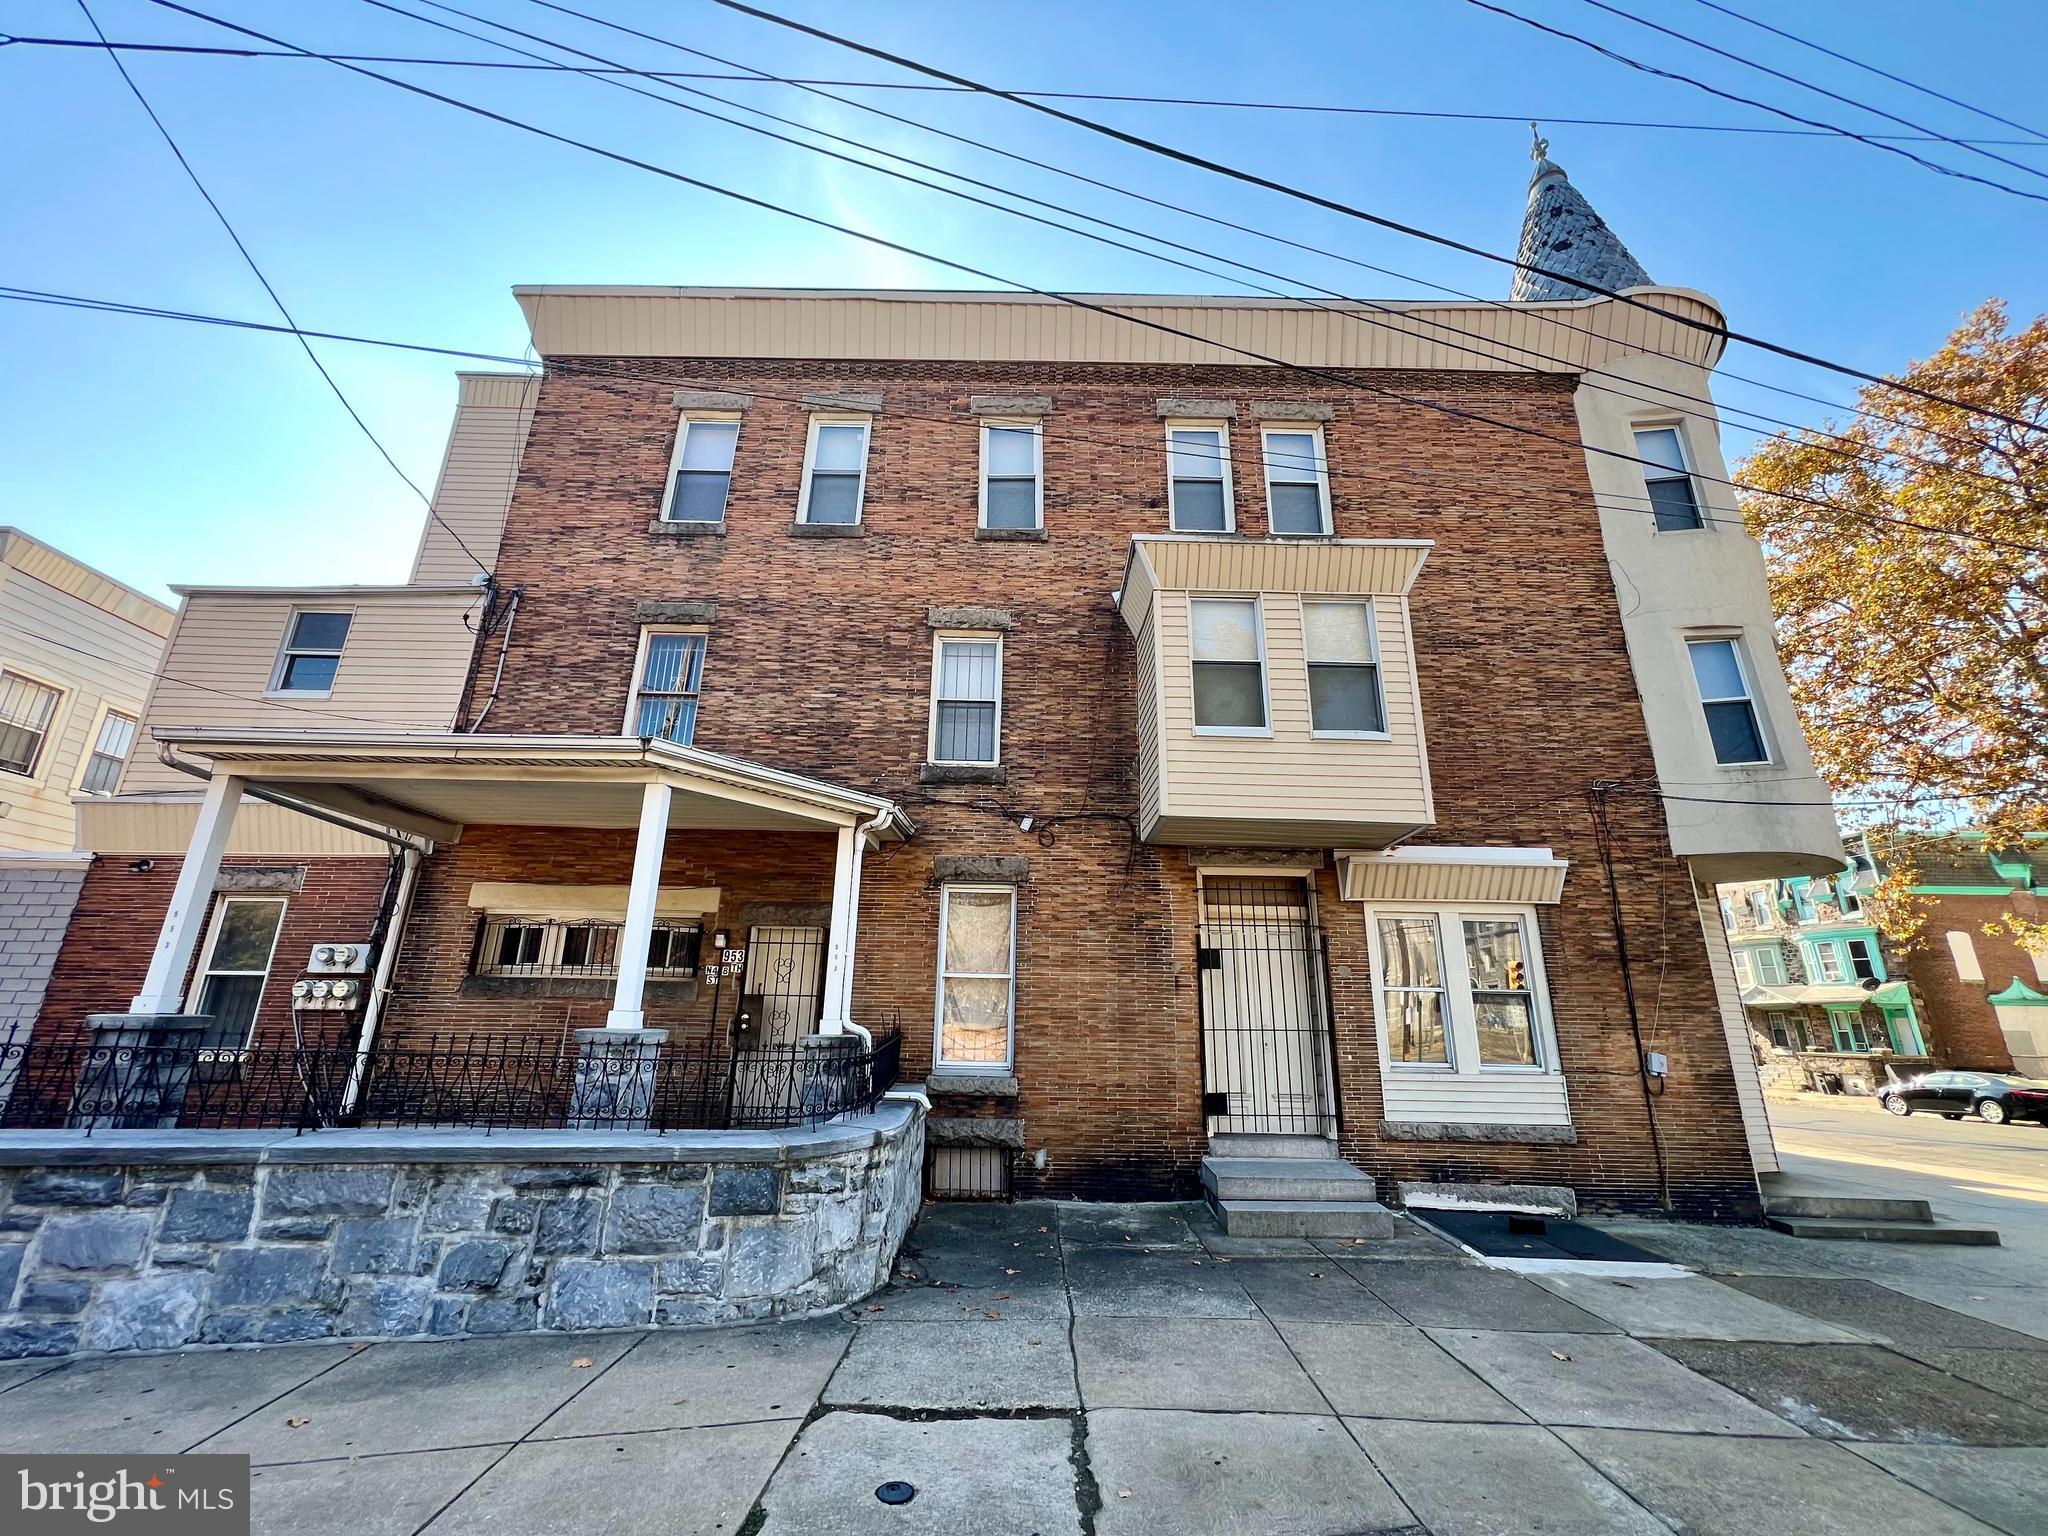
[[167, 453]]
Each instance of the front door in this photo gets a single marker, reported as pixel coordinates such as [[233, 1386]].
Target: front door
[[1265, 1020], [784, 992]]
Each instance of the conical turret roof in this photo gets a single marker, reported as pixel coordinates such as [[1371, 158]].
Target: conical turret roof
[[1561, 233]]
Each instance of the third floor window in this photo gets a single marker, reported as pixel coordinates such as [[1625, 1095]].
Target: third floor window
[[703, 471], [1198, 471], [835, 472]]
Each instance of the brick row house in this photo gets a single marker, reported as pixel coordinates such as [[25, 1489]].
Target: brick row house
[[1191, 756]]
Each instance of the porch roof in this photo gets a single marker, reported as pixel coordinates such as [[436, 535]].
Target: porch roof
[[432, 784], [1799, 994]]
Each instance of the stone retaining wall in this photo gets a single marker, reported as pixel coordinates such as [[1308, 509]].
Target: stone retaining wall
[[156, 1240]]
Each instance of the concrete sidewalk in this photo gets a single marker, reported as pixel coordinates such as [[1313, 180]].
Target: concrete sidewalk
[[1048, 1368]]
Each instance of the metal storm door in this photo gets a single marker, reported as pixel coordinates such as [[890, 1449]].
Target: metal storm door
[[786, 972], [1265, 1022]]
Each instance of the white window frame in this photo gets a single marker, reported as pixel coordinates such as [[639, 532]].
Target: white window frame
[[1826, 951], [46, 752], [1962, 952], [1745, 972], [734, 419], [1379, 671], [866, 423], [1265, 669], [1036, 428], [647, 633], [939, 1062], [1222, 431], [92, 740], [1460, 1019], [1313, 429], [204, 971], [286, 650], [931, 740], [1733, 640], [1691, 473]]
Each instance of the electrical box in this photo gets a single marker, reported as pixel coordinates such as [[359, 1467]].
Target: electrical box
[[338, 960], [320, 994]]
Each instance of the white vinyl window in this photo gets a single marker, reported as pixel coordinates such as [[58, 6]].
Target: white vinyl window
[[1198, 480], [1744, 974], [977, 977], [1343, 668], [1297, 481], [239, 945], [967, 699], [1674, 498], [27, 708], [1732, 723], [1227, 651], [1460, 989], [1827, 961], [701, 477], [835, 472], [312, 653], [109, 753], [1012, 475], [1770, 966], [664, 701]]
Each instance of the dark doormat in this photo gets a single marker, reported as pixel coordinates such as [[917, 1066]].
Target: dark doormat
[[1487, 1232]]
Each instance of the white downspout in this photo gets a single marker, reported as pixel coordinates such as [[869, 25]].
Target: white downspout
[[380, 984]]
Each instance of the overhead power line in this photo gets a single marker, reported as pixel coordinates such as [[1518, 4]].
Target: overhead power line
[[1252, 178], [935, 88], [250, 261]]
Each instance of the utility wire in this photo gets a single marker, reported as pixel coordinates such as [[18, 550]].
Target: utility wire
[[1748, 101], [933, 88], [1252, 178], [1883, 74], [250, 261]]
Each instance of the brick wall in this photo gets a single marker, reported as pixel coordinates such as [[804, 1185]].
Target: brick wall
[[35, 906], [1962, 1026]]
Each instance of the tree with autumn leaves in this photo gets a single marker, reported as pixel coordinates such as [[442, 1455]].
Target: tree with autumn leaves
[[1918, 655]]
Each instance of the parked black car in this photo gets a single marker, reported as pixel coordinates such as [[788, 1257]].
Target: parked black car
[[1990, 1096]]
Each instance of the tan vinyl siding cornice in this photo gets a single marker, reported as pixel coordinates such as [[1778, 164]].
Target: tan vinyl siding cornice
[[54, 568]]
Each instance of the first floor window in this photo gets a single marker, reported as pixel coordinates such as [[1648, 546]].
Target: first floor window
[[1229, 669], [836, 474], [967, 691], [977, 975], [312, 653], [26, 709], [1198, 476], [109, 753], [1787, 1034], [1732, 722], [1459, 989], [703, 471], [542, 946], [235, 966], [1343, 669], [665, 702], [1847, 1027], [1010, 477], [1674, 501], [1297, 482]]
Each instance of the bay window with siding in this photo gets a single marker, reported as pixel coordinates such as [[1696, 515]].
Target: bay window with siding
[[664, 703], [1343, 668], [1012, 476], [967, 695], [701, 479], [110, 748], [835, 473], [1460, 990], [1198, 476], [27, 709], [977, 978], [1227, 654]]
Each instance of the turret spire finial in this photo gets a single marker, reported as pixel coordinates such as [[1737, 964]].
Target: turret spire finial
[[1539, 148]]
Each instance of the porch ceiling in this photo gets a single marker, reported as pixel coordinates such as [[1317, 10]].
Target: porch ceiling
[[436, 784]]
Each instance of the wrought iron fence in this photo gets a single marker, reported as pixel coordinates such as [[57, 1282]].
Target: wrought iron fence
[[472, 1082]]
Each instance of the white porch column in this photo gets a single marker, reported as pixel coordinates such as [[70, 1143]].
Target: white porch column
[[839, 941], [627, 1012], [190, 897]]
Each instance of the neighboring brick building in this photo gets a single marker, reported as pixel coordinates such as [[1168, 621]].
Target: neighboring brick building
[[1174, 747], [1986, 994]]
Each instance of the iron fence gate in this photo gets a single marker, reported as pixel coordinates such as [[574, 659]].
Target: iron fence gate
[[1266, 1053]]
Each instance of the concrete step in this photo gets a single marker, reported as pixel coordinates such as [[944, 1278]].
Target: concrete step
[[1861, 1230], [1247, 1144], [1304, 1218], [1285, 1178], [1853, 1207]]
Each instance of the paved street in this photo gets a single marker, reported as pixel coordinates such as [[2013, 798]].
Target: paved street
[[1128, 1369], [1984, 1175]]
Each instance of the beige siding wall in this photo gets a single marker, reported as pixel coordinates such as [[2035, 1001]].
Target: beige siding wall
[[164, 826], [1290, 776], [1749, 1088], [403, 665], [1537, 1098], [94, 640], [1150, 802], [492, 417]]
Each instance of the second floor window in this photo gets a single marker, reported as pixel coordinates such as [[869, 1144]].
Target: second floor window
[[703, 471], [109, 752], [1297, 482], [835, 472], [1732, 723], [1343, 669], [1770, 966], [312, 653], [1862, 962], [1011, 477], [1674, 500], [1198, 471], [665, 701], [1228, 660], [26, 709], [967, 692], [1744, 976]]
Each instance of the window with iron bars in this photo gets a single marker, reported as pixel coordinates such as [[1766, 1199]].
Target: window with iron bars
[[539, 946]]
